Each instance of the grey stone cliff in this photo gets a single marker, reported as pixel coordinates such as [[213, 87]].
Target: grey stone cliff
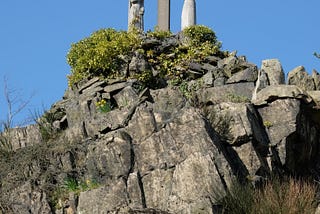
[[161, 150]]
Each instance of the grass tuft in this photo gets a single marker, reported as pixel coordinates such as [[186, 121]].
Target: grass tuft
[[291, 196]]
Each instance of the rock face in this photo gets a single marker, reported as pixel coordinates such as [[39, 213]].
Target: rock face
[[171, 149]]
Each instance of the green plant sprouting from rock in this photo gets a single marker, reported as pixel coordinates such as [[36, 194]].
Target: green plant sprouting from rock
[[73, 185], [267, 124], [104, 106]]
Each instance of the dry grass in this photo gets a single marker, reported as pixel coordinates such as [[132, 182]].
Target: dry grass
[[274, 197], [288, 197]]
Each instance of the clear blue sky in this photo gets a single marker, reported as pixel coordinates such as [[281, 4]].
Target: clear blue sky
[[35, 36]]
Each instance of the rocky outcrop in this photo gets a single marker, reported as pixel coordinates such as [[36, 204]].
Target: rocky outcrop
[[169, 149], [274, 71], [21, 137], [300, 78], [272, 93], [288, 125]]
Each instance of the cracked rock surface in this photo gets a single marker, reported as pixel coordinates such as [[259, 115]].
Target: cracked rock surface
[[157, 150]]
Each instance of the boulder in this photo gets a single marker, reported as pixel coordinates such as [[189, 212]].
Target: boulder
[[94, 88], [279, 118], [18, 138], [233, 64], [208, 79], [138, 64], [272, 93], [110, 157], [212, 60], [25, 199], [255, 163], [167, 103], [262, 82], [230, 60], [104, 122], [143, 123], [315, 95], [168, 43], [239, 92], [177, 166], [86, 84], [117, 87], [214, 76], [105, 199], [230, 121], [248, 75], [274, 71], [220, 81], [292, 134], [316, 79], [126, 97], [150, 42], [300, 78]]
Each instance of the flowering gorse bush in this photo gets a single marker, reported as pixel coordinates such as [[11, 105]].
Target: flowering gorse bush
[[107, 52], [101, 54]]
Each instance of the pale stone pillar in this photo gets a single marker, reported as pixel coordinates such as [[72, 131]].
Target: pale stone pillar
[[135, 14], [188, 17], [164, 15]]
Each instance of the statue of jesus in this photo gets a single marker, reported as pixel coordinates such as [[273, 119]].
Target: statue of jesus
[[135, 14]]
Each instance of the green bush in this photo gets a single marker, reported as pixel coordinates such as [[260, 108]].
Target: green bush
[[159, 34], [101, 54], [200, 42], [200, 34]]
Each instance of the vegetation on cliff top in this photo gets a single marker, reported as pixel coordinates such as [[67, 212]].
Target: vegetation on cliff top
[[100, 54], [107, 50]]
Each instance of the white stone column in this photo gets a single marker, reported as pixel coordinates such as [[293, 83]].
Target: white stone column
[[135, 14], [188, 16]]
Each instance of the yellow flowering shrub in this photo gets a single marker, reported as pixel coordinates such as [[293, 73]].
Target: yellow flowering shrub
[[100, 54], [104, 106]]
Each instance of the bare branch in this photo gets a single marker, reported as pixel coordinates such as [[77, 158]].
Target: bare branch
[[14, 104]]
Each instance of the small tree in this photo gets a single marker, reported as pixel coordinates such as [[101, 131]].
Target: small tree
[[15, 104]]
